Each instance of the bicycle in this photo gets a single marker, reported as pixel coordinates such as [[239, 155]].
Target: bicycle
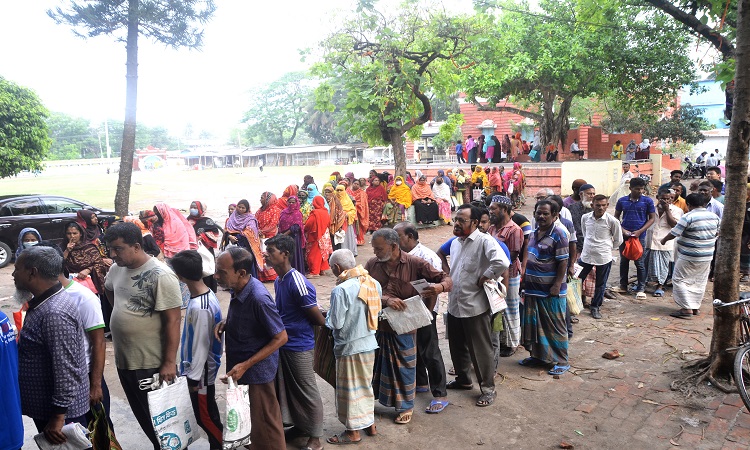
[[741, 370]]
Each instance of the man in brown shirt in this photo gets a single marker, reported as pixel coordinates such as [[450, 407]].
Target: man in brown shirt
[[394, 379]]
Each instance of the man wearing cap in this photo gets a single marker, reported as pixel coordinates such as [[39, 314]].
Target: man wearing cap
[[577, 210], [675, 177], [505, 230], [575, 197]]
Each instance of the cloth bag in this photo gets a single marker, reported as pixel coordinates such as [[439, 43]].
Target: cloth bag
[[237, 424], [324, 361], [101, 434], [532, 154], [496, 295], [573, 296], [208, 260], [172, 415], [633, 249]]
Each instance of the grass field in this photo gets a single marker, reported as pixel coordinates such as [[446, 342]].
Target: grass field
[[176, 186]]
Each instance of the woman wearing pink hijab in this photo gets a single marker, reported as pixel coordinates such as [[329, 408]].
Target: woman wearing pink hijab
[[179, 235]]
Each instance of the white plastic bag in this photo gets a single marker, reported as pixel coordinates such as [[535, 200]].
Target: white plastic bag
[[208, 260], [237, 419], [496, 295], [76, 435], [172, 415]]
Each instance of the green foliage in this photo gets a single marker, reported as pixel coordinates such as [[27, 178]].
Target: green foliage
[[547, 57], [279, 110], [169, 22], [684, 124], [24, 141], [449, 133], [325, 126], [680, 149], [387, 62], [72, 137]]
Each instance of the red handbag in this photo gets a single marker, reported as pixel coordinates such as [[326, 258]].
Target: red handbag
[[633, 249]]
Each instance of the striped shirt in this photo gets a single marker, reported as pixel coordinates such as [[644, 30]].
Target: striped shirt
[[295, 294], [696, 234], [200, 351], [545, 252]]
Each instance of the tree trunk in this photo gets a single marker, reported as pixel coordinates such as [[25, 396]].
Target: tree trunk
[[547, 124], [122, 197], [399, 152], [562, 125], [726, 325]]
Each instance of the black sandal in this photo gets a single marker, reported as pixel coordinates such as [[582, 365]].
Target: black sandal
[[486, 399], [456, 385]]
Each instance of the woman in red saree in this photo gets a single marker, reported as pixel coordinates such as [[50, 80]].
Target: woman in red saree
[[363, 211], [376, 200], [268, 215], [242, 229], [318, 237]]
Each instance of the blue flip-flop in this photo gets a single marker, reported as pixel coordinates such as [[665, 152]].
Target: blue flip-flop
[[422, 389], [659, 293], [443, 404], [558, 370]]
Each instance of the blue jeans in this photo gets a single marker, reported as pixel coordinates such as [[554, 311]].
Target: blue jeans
[[640, 267], [602, 275]]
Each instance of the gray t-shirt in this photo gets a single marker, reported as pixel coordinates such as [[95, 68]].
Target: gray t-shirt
[[140, 295]]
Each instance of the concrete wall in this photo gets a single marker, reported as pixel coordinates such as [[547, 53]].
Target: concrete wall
[[604, 175]]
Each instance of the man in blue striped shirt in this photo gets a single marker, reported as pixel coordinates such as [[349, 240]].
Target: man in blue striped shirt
[[696, 234], [545, 333], [200, 349]]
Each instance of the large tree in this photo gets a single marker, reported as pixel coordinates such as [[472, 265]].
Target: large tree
[[24, 141], [172, 23], [279, 110], [542, 58], [387, 61], [72, 137], [726, 26]]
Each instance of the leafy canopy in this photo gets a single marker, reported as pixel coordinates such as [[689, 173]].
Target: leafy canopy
[[279, 110], [543, 58], [386, 62], [24, 141]]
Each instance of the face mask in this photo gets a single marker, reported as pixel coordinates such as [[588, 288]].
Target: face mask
[[193, 211], [398, 183], [29, 244]]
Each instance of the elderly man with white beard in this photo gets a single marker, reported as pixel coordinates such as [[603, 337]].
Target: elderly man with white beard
[[52, 370], [577, 209]]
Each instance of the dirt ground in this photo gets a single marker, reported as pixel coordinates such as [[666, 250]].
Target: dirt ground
[[599, 404]]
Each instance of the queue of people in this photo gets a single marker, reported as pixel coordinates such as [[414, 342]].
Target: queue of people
[[148, 268]]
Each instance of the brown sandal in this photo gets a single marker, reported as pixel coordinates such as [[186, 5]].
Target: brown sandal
[[403, 417]]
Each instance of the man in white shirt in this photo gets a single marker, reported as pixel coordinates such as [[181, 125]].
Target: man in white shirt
[[430, 365], [475, 258], [602, 234]]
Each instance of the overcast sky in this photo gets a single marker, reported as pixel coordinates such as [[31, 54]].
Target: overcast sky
[[247, 43]]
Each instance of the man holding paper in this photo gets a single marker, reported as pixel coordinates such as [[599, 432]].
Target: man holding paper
[[394, 378], [430, 365], [476, 257]]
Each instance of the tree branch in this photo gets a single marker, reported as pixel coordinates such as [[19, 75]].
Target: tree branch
[[425, 114], [510, 109], [723, 44]]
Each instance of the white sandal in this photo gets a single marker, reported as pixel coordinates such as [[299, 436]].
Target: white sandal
[[640, 296]]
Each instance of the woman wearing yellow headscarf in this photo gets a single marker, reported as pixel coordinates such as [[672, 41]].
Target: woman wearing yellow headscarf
[[350, 236], [399, 200], [479, 179]]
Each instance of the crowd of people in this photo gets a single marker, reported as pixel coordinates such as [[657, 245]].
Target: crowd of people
[[133, 279]]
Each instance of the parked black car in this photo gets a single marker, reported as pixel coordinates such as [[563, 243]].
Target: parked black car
[[46, 213]]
